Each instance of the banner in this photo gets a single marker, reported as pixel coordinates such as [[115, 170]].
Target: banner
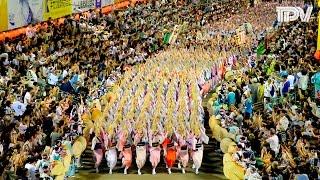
[[56, 8], [3, 15], [106, 2], [24, 12], [19, 13], [83, 5], [98, 3]]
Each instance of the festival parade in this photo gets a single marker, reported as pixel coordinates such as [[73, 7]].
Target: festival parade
[[139, 89]]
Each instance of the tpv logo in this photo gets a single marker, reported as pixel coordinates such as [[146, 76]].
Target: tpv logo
[[287, 14]]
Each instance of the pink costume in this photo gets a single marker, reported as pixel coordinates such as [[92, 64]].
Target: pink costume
[[205, 88], [127, 157], [126, 152], [182, 153], [215, 78], [155, 150], [97, 147], [122, 141]]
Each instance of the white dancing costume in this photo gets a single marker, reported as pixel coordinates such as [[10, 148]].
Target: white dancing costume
[[111, 157], [141, 156], [197, 156]]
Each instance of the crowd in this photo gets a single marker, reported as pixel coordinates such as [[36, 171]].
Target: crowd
[[278, 140], [54, 72], [62, 81]]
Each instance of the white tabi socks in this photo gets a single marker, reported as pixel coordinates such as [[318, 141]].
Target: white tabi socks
[[78, 162]]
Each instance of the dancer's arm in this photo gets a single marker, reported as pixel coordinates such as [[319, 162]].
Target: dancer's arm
[[94, 141]]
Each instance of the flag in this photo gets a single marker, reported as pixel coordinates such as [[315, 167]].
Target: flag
[[166, 37], [261, 49]]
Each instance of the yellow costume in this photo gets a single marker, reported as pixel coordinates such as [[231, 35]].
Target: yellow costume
[[231, 169]]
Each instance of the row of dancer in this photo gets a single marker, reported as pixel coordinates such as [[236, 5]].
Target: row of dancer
[[156, 103], [175, 149]]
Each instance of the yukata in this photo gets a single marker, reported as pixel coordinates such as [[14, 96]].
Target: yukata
[[141, 151], [182, 151], [197, 153], [155, 149], [97, 147], [171, 155], [111, 155]]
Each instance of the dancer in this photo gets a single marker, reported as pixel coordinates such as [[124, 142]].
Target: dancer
[[127, 157], [141, 151], [197, 155], [182, 153], [155, 141], [170, 153], [141, 155], [97, 148], [197, 148], [111, 155], [124, 145]]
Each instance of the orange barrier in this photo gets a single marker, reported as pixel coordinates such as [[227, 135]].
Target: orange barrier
[[107, 9]]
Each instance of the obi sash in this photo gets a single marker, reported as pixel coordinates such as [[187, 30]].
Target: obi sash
[[156, 144], [185, 147], [141, 144], [98, 146], [170, 145], [198, 146], [113, 144]]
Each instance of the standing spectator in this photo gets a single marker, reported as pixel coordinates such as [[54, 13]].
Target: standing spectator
[[273, 141], [30, 165]]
